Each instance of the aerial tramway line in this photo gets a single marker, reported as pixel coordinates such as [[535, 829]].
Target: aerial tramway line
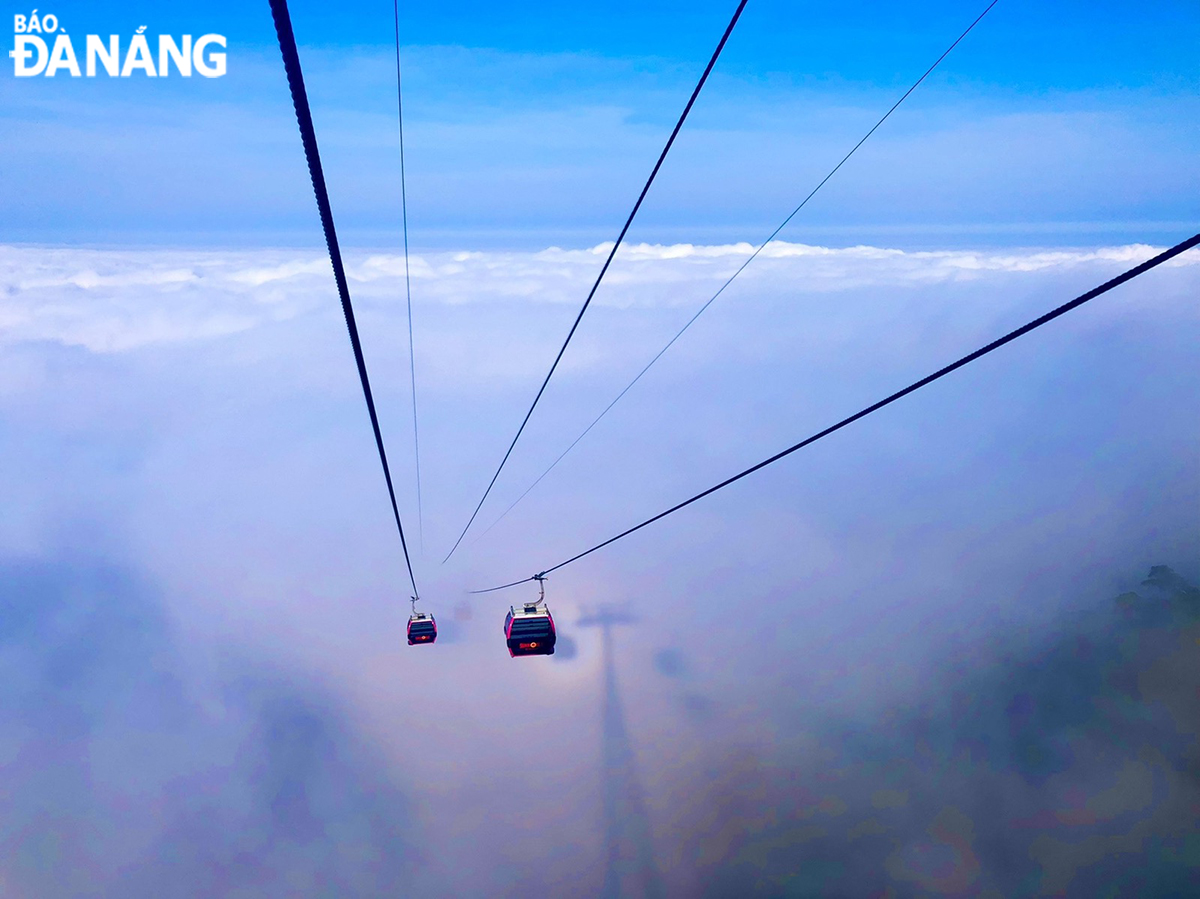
[[530, 629], [421, 627]]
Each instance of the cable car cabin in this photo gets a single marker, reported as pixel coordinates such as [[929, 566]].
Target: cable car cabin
[[529, 631], [421, 629]]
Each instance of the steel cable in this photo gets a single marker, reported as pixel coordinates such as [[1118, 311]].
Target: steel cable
[[412, 359], [740, 269], [613, 252], [1128, 275], [308, 136]]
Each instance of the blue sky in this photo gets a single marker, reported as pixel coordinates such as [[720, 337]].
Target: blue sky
[[534, 125]]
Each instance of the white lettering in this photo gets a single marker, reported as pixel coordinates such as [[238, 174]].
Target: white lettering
[[109, 58], [138, 57], [216, 68], [169, 50], [32, 54], [63, 57], [20, 53]]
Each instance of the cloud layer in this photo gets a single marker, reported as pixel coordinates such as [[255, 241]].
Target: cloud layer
[[190, 478], [115, 300]]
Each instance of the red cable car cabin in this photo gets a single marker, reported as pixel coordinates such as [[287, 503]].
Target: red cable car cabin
[[530, 631], [421, 629]]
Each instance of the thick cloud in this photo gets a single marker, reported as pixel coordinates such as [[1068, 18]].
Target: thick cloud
[[113, 300], [130, 773], [838, 632], [1049, 764]]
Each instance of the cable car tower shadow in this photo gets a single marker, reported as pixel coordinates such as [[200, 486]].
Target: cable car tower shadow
[[629, 869]]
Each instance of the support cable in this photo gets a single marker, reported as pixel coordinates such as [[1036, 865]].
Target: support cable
[[929, 379], [762, 246], [620, 237], [412, 359], [295, 77]]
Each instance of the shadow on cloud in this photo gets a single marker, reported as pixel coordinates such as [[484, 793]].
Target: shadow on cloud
[[127, 774], [1062, 763]]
